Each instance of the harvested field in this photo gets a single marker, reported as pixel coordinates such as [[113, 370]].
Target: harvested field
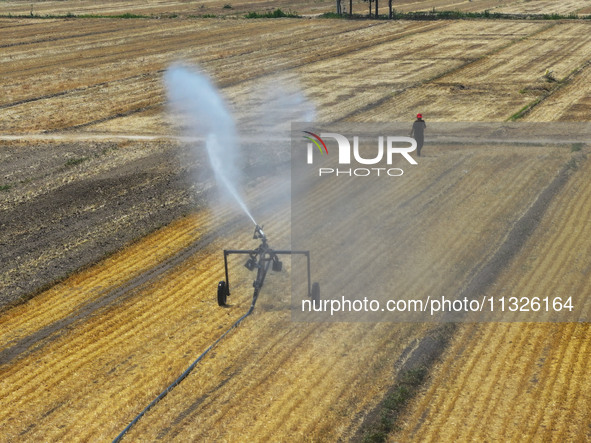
[[510, 77], [300, 369], [500, 379], [111, 256], [417, 64]]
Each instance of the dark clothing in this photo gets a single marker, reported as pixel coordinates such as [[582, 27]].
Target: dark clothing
[[418, 129]]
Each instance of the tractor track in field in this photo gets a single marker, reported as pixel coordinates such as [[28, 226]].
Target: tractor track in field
[[516, 237], [423, 353], [40, 338], [50, 332]]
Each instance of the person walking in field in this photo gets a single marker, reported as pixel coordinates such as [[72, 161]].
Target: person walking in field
[[418, 129]]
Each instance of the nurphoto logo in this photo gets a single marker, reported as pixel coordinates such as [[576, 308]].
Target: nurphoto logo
[[387, 148]]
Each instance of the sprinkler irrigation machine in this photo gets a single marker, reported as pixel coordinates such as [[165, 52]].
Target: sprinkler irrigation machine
[[261, 259]]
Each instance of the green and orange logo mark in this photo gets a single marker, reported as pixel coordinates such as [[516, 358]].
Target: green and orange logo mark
[[318, 139]]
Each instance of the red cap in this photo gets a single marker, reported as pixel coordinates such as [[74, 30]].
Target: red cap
[[419, 115]]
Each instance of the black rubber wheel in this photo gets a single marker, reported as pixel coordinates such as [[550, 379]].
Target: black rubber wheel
[[277, 266], [222, 293], [315, 295]]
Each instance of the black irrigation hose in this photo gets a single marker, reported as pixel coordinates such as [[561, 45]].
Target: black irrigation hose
[[187, 371]]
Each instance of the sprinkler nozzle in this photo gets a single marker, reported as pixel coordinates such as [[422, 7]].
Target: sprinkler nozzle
[[258, 233]]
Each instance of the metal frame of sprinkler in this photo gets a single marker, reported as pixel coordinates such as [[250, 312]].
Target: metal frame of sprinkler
[[260, 259]]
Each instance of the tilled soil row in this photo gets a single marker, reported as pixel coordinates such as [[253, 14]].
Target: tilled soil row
[[85, 212]]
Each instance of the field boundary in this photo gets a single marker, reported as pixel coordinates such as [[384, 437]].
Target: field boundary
[[433, 15], [413, 369]]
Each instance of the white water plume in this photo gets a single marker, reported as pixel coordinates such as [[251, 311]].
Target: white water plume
[[265, 111], [204, 114], [276, 103]]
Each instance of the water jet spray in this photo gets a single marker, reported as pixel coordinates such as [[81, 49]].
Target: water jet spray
[[203, 113]]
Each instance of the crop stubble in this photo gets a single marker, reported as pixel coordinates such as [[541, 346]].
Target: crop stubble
[[521, 379], [114, 362]]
